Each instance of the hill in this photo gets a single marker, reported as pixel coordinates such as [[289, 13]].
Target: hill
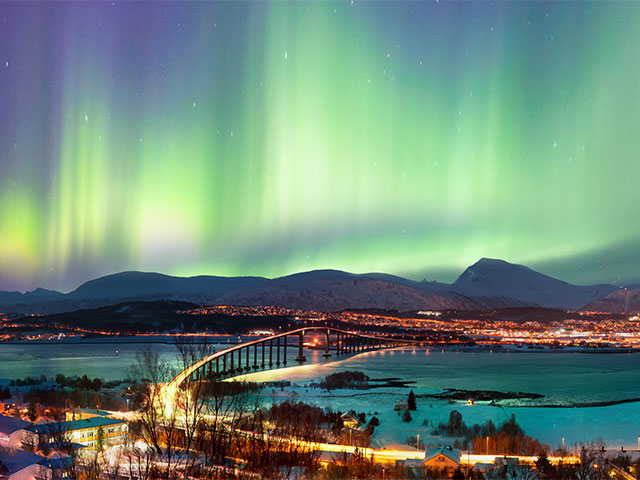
[[625, 300], [487, 284], [496, 283]]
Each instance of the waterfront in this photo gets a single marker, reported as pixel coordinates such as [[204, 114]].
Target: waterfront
[[563, 378]]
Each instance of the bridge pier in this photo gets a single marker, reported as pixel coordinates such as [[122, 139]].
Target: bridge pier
[[301, 358], [345, 343], [326, 344], [255, 356], [285, 350], [271, 352]]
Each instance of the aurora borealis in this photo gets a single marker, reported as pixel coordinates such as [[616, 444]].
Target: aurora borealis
[[262, 138]]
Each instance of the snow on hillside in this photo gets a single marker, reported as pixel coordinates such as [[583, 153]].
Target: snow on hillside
[[491, 278], [486, 284], [340, 292], [626, 300]]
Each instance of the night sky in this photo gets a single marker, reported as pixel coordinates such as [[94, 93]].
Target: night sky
[[267, 138]]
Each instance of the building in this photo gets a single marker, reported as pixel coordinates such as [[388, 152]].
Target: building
[[84, 432], [12, 431], [82, 413], [349, 420], [7, 404], [401, 405], [444, 458], [18, 464], [54, 468]]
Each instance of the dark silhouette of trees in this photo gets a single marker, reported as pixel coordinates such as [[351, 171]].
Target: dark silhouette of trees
[[347, 379], [543, 465], [371, 426], [32, 412], [411, 401], [356, 466], [509, 438], [406, 416], [100, 439]]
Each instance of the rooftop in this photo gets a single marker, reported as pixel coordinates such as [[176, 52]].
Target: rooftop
[[451, 453], [56, 461], [8, 425], [57, 427], [16, 460]]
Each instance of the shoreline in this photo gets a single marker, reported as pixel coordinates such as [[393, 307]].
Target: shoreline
[[432, 348]]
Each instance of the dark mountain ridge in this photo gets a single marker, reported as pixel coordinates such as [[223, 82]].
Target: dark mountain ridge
[[487, 284]]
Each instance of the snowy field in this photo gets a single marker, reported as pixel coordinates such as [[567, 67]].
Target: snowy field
[[563, 378]]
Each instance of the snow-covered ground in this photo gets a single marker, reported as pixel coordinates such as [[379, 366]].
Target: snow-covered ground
[[585, 378], [562, 377]]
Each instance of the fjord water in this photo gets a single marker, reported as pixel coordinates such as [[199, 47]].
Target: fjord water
[[564, 378]]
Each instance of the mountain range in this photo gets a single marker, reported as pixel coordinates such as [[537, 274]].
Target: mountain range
[[487, 284]]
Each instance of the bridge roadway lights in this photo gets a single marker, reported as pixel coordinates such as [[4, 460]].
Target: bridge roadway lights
[[345, 343]]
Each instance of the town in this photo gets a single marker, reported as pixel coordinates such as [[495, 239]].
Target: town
[[532, 328]]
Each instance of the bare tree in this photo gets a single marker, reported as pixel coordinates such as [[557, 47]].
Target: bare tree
[[157, 422], [171, 426], [139, 462], [224, 430]]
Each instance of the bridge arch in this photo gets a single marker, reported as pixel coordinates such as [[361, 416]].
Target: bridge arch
[[271, 353]]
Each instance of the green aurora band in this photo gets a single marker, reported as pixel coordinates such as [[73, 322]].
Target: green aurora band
[[270, 138]]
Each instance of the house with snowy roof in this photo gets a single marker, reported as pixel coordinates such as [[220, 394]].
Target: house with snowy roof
[[12, 431], [18, 464], [444, 458]]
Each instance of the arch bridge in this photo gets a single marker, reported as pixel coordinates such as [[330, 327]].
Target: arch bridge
[[271, 352]]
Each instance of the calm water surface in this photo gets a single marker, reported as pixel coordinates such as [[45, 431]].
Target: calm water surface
[[561, 377], [564, 378]]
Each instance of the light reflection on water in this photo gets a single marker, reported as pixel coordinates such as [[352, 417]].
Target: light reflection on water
[[561, 377]]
